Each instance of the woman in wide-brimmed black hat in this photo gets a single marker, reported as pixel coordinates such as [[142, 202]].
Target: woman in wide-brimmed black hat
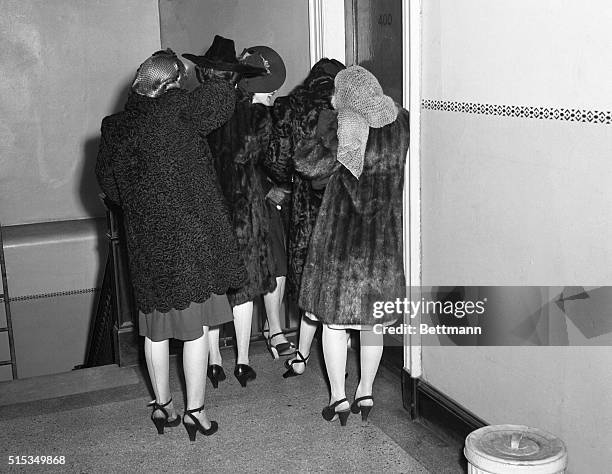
[[221, 56], [238, 148]]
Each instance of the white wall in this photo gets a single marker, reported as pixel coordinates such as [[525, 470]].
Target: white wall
[[189, 26], [520, 52], [65, 65], [509, 200]]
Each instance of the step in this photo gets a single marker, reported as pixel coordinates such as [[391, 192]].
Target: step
[[67, 383]]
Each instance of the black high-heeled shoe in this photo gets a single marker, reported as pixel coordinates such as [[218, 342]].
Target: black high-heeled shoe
[[215, 374], [162, 421], [244, 373], [299, 359], [329, 412], [365, 410], [193, 428]]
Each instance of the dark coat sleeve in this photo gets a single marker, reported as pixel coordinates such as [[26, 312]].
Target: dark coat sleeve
[[104, 164], [278, 158], [315, 156], [252, 124], [212, 104]]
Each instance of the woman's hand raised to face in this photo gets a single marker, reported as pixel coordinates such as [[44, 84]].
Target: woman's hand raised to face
[[235, 78]]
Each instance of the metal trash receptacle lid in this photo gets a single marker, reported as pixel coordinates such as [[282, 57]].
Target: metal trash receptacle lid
[[515, 449]]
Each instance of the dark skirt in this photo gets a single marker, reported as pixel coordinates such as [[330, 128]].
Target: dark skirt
[[185, 325]]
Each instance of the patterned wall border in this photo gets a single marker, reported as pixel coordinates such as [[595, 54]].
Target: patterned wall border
[[521, 111], [53, 295]]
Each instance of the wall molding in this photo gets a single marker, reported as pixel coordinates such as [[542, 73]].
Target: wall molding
[[521, 111], [412, 47], [326, 30], [315, 25], [53, 295], [437, 411]]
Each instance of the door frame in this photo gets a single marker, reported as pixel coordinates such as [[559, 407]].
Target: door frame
[[330, 26]]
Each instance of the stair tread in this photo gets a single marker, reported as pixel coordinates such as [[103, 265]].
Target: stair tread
[[67, 383]]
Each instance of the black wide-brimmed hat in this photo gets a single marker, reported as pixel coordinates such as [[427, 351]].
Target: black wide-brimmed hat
[[266, 57], [222, 56]]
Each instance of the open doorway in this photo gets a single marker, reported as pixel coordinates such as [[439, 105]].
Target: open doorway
[[385, 37], [374, 40]]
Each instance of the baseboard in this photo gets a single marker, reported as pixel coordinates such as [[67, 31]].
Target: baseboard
[[393, 359], [436, 410]]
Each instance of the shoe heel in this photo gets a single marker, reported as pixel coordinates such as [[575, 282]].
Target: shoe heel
[[215, 374], [343, 415], [162, 421], [244, 373], [365, 411], [159, 424], [274, 352], [191, 431]]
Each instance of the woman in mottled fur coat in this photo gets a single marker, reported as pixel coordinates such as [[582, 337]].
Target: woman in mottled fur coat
[[355, 254]]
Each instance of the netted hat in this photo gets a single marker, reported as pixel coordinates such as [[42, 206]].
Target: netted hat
[[157, 72], [361, 104], [359, 90]]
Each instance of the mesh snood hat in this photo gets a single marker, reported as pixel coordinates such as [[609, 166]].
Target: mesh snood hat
[[161, 69], [361, 104]]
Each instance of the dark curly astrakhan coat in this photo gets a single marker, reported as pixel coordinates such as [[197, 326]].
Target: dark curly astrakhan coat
[[153, 162], [238, 148], [355, 254]]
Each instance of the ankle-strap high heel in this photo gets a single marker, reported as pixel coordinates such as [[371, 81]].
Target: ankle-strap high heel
[[299, 359], [193, 428], [329, 412], [162, 421], [282, 349], [365, 410]]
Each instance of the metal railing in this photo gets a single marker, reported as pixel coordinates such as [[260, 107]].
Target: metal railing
[[113, 336], [7, 310]]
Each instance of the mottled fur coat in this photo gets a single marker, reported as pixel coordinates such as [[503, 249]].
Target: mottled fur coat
[[355, 254], [238, 150]]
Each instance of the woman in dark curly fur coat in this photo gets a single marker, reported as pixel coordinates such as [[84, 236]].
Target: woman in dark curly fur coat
[[355, 254], [181, 247], [238, 149]]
